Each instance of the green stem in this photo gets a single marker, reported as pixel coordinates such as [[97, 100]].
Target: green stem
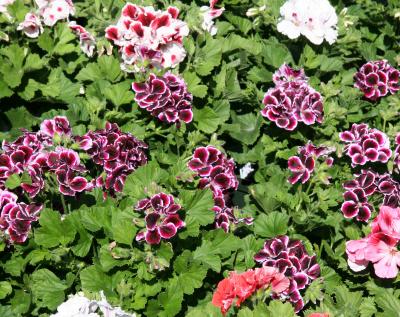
[[64, 204]]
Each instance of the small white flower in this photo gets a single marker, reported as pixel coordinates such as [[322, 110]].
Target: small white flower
[[245, 171]]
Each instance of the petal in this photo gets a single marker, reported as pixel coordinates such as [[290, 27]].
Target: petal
[[168, 230], [152, 237], [349, 209]]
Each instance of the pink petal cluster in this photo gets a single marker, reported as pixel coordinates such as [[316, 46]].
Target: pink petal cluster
[[86, 40], [292, 100], [291, 259], [209, 14], [302, 166], [366, 145], [365, 184], [32, 26], [162, 218], [118, 153], [218, 174], [244, 285], [143, 34], [376, 79], [165, 97], [16, 218], [49, 12], [380, 247], [53, 11]]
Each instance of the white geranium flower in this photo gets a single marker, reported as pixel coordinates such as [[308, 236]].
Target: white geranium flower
[[315, 19], [245, 170], [79, 306]]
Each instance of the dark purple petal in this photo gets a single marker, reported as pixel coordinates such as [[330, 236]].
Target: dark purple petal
[[152, 237], [168, 230]]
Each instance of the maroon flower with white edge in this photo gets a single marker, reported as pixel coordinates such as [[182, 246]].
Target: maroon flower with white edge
[[166, 98], [162, 218], [302, 166], [31, 26], [58, 125], [118, 153], [216, 170], [376, 79], [290, 258], [278, 108], [366, 145], [356, 205], [16, 218], [292, 100]]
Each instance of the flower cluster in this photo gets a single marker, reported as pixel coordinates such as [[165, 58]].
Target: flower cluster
[[292, 100], [162, 218], [80, 306], [166, 98], [380, 247], [365, 184], [16, 218], [366, 145], [376, 79], [302, 166], [32, 153], [244, 285], [49, 11], [290, 258], [86, 40], [209, 14], [218, 174], [315, 19], [143, 34], [44, 155], [117, 152]]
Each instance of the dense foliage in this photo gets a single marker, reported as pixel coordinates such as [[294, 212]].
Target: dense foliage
[[236, 149]]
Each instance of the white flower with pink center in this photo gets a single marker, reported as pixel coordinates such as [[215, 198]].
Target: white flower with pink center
[[31, 26], [315, 19], [209, 14], [53, 11]]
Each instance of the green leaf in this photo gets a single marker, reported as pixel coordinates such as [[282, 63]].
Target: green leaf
[[5, 289], [193, 84], [95, 280], [122, 225], [367, 307], [207, 120], [13, 181], [47, 288], [271, 225], [144, 181], [275, 54], [245, 128], [54, 231], [277, 308], [119, 94], [215, 245]]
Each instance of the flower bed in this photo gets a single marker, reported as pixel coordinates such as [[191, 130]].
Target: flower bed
[[230, 158]]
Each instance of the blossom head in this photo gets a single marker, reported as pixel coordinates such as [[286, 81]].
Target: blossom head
[[377, 79], [162, 218], [31, 26], [143, 34], [166, 98]]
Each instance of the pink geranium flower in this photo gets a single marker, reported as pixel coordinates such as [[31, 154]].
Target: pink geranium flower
[[382, 252]]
